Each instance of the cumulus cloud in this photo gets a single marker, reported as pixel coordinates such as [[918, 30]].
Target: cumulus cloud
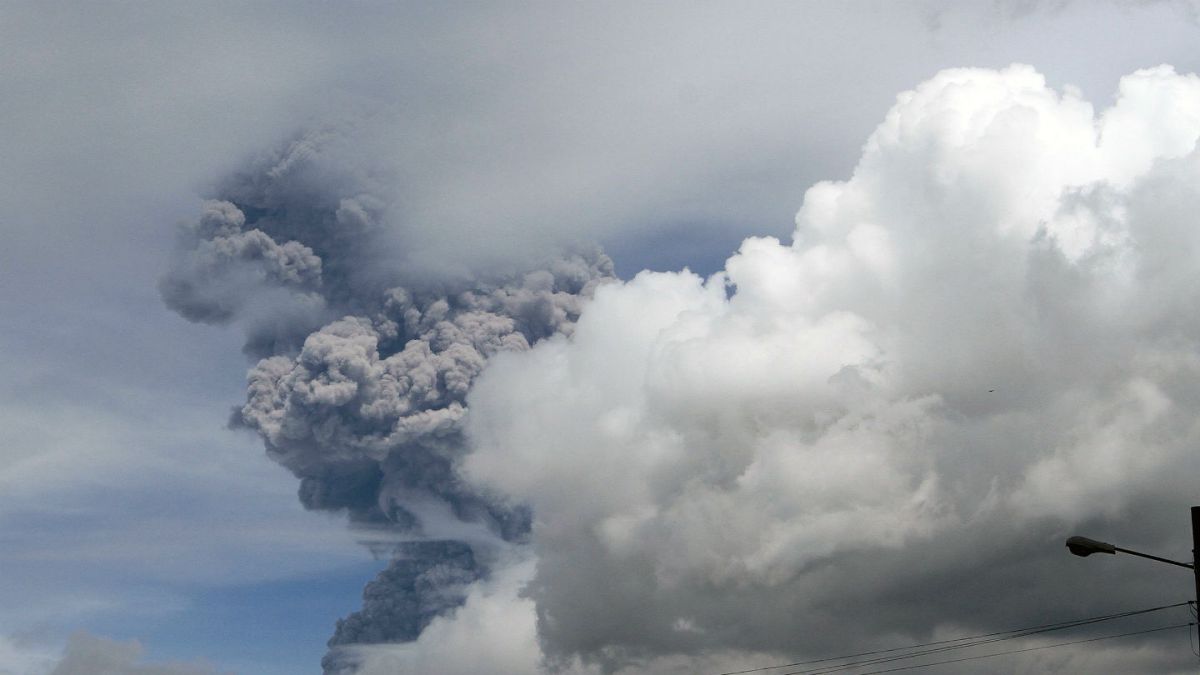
[[982, 339]]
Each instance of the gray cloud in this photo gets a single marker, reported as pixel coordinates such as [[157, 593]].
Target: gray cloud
[[93, 655]]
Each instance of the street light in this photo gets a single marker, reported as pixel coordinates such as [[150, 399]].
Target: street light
[[1083, 547]]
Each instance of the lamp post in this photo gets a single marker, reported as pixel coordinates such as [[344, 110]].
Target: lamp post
[[1082, 546]]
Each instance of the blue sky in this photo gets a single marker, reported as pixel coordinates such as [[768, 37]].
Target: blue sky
[[666, 134]]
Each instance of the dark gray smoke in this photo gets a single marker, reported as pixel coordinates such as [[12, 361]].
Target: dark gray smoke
[[426, 580], [363, 370]]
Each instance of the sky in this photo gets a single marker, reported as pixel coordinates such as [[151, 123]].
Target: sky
[[592, 338]]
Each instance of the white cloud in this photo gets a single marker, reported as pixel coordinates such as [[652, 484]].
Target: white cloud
[[985, 337]]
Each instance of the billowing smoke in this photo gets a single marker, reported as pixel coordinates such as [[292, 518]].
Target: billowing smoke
[[363, 369], [985, 340]]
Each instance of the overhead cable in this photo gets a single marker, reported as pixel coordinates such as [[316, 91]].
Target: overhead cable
[[946, 645], [1032, 649]]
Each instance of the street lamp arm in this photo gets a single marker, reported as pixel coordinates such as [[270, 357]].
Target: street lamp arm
[[1082, 546], [1154, 557]]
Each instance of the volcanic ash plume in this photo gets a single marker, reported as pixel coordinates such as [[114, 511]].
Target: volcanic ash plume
[[363, 371]]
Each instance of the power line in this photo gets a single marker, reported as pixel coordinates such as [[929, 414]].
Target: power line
[[1020, 633], [1016, 632], [1187, 625], [1196, 616], [945, 645]]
